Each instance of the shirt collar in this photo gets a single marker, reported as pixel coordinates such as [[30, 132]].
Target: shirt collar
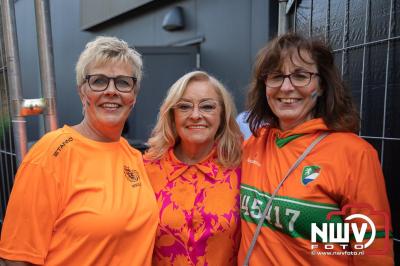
[[309, 127], [207, 166]]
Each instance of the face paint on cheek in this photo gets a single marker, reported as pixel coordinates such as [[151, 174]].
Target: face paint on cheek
[[314, 94]]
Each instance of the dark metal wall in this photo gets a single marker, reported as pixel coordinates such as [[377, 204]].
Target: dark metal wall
[[163, 66], [97, 11], [365, 37]]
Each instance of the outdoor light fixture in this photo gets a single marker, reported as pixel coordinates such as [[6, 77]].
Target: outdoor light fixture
[[173, 20]]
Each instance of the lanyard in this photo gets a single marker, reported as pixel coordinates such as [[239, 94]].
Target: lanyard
[[269, 203]]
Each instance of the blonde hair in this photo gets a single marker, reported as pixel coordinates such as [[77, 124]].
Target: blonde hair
[[228, 136], [104, 50]]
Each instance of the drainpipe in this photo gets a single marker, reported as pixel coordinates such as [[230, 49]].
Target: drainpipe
[[14, 78], [43, 28]]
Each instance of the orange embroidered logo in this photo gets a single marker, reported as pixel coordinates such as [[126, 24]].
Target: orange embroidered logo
[[132, 176]]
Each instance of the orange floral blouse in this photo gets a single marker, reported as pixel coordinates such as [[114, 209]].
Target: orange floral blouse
[[199, 211]]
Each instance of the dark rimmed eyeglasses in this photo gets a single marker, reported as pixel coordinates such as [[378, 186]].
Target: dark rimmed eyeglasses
[[99, 82], [297, 79]]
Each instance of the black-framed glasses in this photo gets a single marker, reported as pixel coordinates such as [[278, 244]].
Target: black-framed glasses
[[100, 82], [297, 79], [205, 107]]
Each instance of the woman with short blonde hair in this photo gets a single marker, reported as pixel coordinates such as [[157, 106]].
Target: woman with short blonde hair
[[82, 192]]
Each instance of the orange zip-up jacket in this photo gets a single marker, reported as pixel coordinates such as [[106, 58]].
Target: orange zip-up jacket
[[342, 169]]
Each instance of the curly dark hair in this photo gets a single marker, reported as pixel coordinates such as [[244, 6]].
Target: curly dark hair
[[334, 106]]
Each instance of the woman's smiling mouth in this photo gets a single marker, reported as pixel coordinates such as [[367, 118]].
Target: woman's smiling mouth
[[289, 100]]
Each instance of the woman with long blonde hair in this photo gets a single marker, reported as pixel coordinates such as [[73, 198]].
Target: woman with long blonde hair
[[193, 165]]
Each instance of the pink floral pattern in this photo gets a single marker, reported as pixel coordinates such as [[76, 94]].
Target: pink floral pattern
[[199, 211]]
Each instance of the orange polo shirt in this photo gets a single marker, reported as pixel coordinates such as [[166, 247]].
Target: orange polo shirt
[[76, 201], [342, 169], [199, 211]]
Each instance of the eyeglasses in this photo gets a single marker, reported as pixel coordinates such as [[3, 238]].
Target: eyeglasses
[[99, 82], [205, 107], [297, 79]]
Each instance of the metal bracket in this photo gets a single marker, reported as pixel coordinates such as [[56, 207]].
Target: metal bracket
[[289, 5], [32, 107]]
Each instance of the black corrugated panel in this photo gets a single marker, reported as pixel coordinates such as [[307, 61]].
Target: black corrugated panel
[[365, 36]]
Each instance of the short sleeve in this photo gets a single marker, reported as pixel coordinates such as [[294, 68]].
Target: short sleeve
[[30, 215]]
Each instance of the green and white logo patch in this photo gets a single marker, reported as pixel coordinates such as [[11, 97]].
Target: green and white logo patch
[[310, 173]]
